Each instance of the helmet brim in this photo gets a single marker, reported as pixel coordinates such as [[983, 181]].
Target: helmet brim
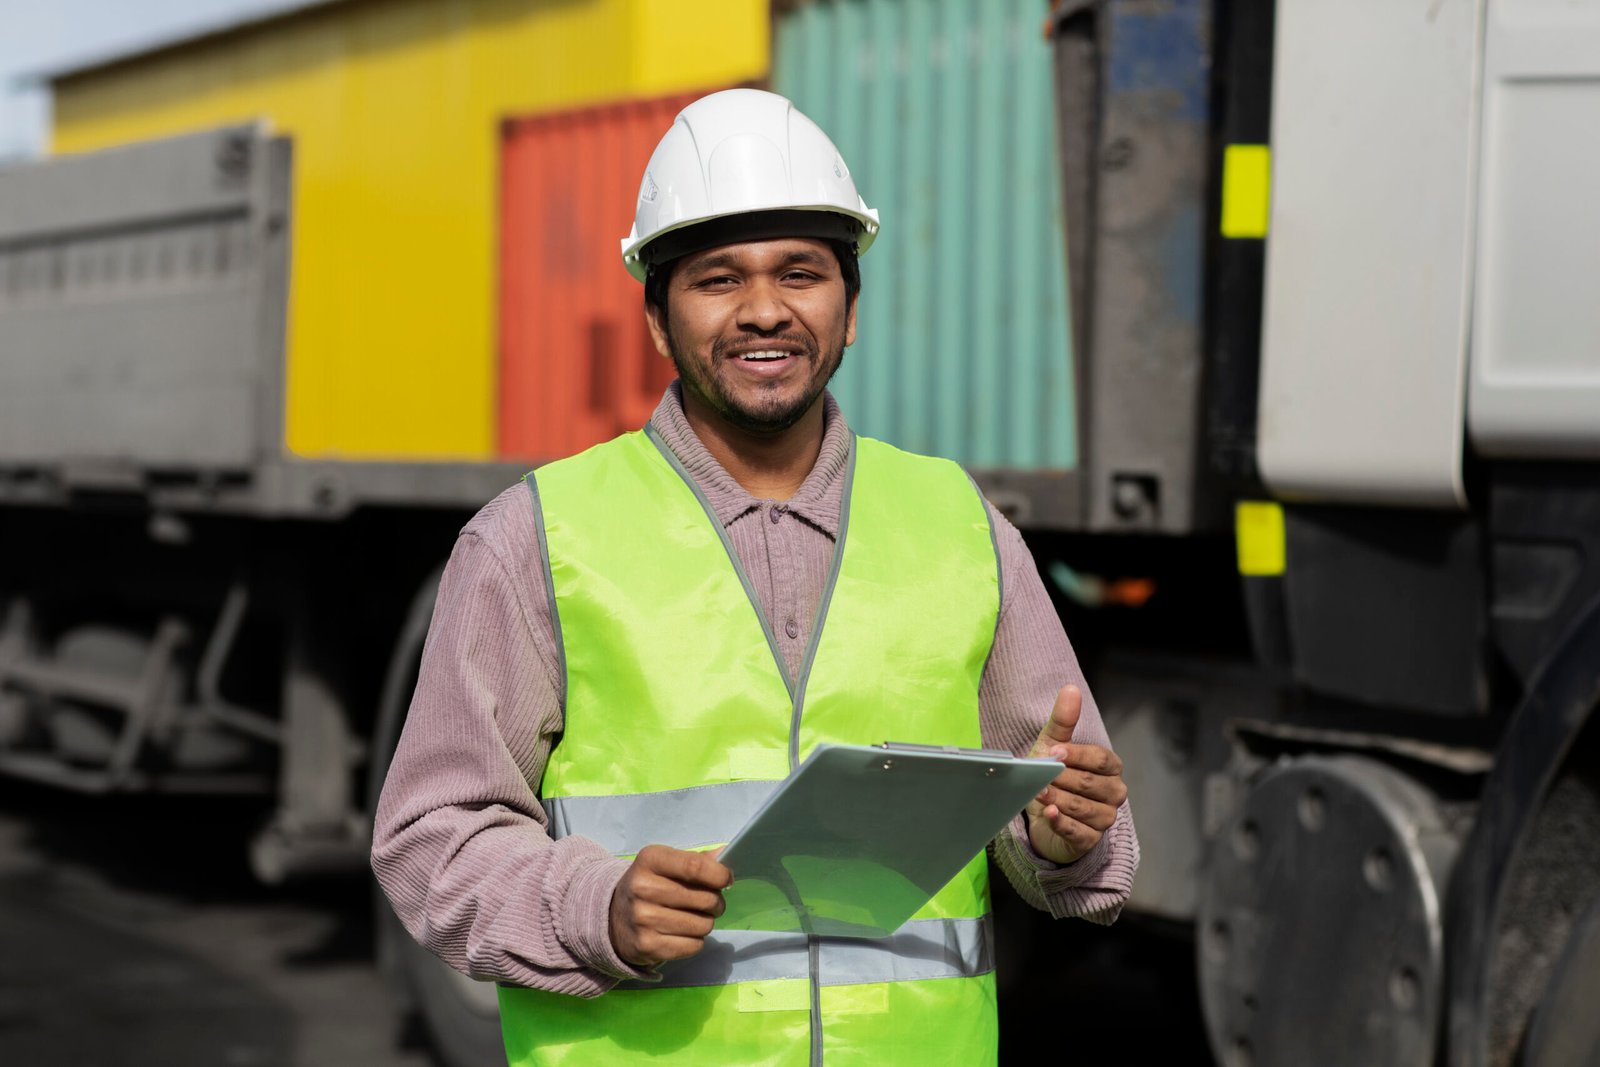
[[824, 223]]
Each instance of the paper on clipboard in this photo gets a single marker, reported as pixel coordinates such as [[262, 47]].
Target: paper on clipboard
[[862, 836]]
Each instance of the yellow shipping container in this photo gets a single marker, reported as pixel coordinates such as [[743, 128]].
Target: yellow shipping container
[[395, 109]]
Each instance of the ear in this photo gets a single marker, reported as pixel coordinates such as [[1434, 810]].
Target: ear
[[658, 330], [850, 322]]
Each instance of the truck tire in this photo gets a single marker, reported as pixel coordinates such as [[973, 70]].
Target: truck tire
[[461, 1016], [1566, 1028], [1521, 922]]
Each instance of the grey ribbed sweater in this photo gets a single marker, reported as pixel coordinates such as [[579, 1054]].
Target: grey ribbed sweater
[[460, 841]]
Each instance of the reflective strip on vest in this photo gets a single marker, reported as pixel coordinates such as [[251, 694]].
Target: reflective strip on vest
[[692, 818], [921, 949]]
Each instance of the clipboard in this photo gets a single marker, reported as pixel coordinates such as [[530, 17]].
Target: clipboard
[[861, 836]]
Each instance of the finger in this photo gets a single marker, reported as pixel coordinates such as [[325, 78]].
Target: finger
[[1081, 837], [671, 922], [664, 892], [1063, 719], [688, 868], [1089, 812], [658, 948], [1099, 787], [1095, 758]]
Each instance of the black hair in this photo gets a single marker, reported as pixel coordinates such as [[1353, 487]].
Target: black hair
[[659, 275]]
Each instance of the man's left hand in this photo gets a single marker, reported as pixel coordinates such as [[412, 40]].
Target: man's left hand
[[1070, 815]]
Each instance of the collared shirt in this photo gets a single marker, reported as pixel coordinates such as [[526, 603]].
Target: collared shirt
[[460, 841]]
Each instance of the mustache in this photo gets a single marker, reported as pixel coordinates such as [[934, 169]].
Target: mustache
[[723, 345]]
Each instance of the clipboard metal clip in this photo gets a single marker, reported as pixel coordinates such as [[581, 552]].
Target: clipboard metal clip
[[948, 750]]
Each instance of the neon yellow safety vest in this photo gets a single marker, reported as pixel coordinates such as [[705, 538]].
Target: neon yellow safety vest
[[681, 717]]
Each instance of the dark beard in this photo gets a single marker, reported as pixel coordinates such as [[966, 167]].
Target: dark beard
[[771, 418]]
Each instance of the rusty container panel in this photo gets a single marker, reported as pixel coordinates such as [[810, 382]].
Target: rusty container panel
[[576, 363]]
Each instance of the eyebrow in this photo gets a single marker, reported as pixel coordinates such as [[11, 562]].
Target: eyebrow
[[718, 260]]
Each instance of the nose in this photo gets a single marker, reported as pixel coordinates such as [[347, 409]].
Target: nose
[[763, 309]]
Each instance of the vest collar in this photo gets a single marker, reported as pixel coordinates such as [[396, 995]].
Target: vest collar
[[820, 496]]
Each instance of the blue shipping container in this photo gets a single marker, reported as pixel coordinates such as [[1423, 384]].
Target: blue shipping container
[[943, 110]]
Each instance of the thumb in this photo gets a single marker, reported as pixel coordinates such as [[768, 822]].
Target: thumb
[[1063, 720]]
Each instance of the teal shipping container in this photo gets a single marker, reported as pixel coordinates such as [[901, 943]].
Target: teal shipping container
[[943, 109]]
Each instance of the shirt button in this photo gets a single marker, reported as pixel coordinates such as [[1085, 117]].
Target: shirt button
[[775, 514], [792, 628]]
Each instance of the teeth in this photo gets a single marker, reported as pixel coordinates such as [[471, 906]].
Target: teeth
[[753, 357]]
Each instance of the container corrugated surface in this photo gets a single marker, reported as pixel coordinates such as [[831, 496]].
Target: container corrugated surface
[[576, 362], [395, 110], [943, 110]]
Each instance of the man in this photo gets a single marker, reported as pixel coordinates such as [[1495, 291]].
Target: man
[[629, 652]]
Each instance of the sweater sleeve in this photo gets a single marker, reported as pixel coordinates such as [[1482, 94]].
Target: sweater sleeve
[[1031, 660], [460, 841]]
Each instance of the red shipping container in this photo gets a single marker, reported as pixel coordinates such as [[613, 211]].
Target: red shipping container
[[576, 363]]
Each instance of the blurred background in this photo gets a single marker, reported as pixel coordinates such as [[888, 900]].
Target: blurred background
[[43, 38], [1271, 325]]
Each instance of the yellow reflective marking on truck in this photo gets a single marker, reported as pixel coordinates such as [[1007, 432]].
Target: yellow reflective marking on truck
[[1258, 526], [1246, 190]]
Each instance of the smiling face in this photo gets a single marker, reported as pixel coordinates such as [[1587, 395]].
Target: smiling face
[[755, 329]]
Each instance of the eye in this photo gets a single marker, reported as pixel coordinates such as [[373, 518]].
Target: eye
[[716, 281], [797, 275]]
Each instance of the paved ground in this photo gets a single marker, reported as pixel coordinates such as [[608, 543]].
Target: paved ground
[[131, 934]]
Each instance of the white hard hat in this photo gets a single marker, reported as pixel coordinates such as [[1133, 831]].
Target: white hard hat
[[751, 158]]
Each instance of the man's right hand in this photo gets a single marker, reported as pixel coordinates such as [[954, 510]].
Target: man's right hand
[[664, 905]]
